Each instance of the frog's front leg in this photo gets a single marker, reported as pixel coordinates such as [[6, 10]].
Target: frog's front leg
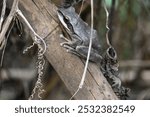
[[71, 43], [63, 37], [94, 56]]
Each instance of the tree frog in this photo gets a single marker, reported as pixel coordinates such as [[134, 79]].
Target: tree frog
[[80, 32]]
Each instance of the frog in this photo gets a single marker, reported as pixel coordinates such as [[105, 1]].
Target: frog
[[80, 34]]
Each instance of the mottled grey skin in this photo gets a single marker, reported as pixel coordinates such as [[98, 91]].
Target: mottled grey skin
[[80, 33]]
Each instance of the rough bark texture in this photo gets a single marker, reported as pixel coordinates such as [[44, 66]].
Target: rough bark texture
[[42, 16]]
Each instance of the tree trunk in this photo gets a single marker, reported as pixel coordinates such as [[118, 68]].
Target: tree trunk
[[42, 16]]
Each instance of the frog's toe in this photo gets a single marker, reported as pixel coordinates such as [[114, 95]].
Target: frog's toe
[[63, 37], [63, 44], [67, 46]]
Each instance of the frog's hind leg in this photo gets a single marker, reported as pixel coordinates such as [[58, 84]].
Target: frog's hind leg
[[94, 56], [71, 50], [72, 44]]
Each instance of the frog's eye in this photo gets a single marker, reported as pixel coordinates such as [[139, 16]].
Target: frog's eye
[[66, 18]]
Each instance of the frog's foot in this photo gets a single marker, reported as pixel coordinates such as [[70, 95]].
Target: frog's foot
[[73, 44], [63, 37], [65, 44], [67, 41], [94, 56], [71, 50], [67, 47]]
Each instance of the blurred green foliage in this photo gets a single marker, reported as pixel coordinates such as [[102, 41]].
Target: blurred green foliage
[[129, 20]]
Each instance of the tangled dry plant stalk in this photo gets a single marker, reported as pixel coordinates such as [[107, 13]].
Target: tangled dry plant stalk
[[16, 12]]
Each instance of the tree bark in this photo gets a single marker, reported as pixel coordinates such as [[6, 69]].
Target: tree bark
[[42, 16]]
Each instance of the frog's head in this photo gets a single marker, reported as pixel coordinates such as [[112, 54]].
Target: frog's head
[[67, 17]]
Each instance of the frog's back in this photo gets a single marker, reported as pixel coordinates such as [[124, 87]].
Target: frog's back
[[81, 28]]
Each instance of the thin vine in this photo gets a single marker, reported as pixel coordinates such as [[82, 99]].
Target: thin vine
[[38, 85]]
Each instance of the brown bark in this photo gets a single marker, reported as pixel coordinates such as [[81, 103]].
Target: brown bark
[[42, 16]]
